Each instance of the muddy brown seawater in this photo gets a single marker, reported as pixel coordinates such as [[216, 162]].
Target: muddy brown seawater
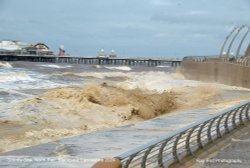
[[53, 101]]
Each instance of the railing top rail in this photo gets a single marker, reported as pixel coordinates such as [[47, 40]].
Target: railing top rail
[[179, 131], [200, 58]]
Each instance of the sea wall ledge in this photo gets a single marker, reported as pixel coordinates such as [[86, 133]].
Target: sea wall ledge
[[92, 60], [228, 71], [172, 148]]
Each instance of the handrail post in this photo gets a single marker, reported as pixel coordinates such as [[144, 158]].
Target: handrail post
[[218, 126], [174, 151], [247, 111], [189, 150], [144, 159], [160, 157], [199, 135], [129, 160], [226, 121], [234, 117], [209, 132], [241, 114]]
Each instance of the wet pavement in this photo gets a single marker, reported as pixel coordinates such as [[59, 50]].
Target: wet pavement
[[85, 150], [230, 151], [235, 153]]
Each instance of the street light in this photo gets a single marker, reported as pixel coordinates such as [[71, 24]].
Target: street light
[[226, 39], [241, 42], [248, 51], [232, 41]]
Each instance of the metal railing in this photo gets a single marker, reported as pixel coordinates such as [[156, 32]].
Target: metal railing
[[201, 58], [243, 61], [174, 147]]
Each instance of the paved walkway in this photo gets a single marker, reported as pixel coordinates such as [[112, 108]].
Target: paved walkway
[[87, 149], [234, 153], [231, 151]]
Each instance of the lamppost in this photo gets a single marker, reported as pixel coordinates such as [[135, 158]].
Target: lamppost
[[241, 42], [232, 41], [226, 39], [248, 51]]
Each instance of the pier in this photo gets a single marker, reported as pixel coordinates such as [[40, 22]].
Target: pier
[[92, 60]]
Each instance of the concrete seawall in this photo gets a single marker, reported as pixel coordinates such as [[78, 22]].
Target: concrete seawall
[[222, 72]]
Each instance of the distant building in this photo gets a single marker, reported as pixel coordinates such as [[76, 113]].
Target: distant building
[[112, 54], [9, 45], [102, 54], [20, 48], [61, 51]]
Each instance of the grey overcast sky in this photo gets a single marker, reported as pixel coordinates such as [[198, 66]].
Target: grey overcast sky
[[149, 28]]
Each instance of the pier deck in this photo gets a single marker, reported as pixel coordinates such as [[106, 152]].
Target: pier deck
[[91, 60]]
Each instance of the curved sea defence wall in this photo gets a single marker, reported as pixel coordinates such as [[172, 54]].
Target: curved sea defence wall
[[228, 73], [225, 68]]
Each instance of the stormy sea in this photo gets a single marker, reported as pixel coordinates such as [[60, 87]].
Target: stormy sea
[[43, 102]]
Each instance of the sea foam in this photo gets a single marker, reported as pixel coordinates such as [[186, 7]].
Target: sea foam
[[56, 66], [5, 65], [121, 68], [15, 77]]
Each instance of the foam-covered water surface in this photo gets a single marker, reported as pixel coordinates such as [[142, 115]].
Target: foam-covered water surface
[[33, 76]]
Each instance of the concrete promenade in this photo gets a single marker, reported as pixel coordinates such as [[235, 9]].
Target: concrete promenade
[[85, 150], [232, 151], [235, 153]]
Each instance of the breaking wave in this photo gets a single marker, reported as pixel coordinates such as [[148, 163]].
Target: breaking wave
[[140, 103], [121, 68], [152, 80], [162, 66], [155, 80], [98, 75], [5, 65], [56, 66], [15, 77]]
